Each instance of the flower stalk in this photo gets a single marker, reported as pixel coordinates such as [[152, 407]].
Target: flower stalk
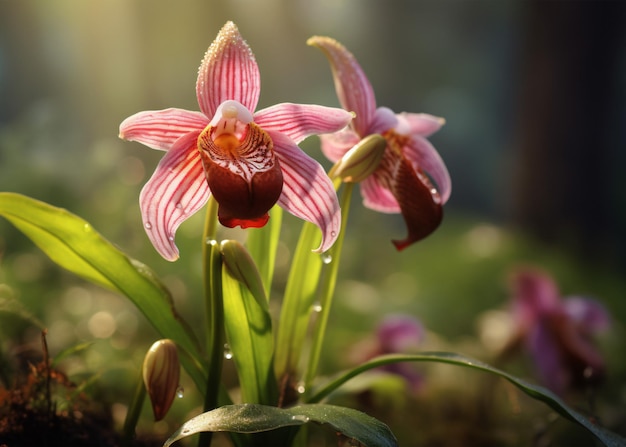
[[327, 290], [214, 308]]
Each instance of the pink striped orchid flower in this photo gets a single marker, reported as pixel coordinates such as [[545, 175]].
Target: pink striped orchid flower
[[249, 161], [402, 181]]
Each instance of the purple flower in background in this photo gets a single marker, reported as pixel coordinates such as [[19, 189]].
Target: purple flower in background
[[396, 334], [557, 332]]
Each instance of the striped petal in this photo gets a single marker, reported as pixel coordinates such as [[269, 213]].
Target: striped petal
[[384, 119], [298, 121], [335, 145], [421, 124], [354, 90], [423, 155], [176, 190], [307, 193], [228, 71], [377, 197], [159, 129]]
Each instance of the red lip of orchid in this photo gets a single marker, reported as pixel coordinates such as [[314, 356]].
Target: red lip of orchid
[[402, 181], [248, 160]]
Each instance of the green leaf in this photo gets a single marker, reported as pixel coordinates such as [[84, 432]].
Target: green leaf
[[248, 329], [250, 418], [73, 244], [609, 438], [300, 294], [262, 244]]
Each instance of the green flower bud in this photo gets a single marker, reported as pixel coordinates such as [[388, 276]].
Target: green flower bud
[[241, 266], [161, 373], [360, 161]]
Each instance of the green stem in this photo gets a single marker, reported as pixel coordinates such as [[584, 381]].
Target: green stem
[[134, 411], [327, 290], [214, 308]]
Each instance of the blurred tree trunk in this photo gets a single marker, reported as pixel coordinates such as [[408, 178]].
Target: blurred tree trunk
[[569, 126]]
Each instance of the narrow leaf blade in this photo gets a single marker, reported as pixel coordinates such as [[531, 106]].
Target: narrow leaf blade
[[300, 294], [252, 418], [249, 333], [542, 394], [73, 244]]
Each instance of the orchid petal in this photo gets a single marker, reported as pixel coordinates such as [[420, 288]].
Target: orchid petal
[[421, 124], [354, 90], [536, 293], [298, 121], [423, 155], [547, 357], [159, 129], [590, 314], [176, 190], [384, 119], [421, 212], [307, 193], [228, 71], [335, 145], [377, 197]]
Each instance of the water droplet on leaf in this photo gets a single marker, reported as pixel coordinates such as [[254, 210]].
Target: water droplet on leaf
[[180, 392], [300, 417], [228, 354], [326, 258], [317, 307]]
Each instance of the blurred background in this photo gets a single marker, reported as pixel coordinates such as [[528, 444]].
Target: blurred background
[[534, 97]]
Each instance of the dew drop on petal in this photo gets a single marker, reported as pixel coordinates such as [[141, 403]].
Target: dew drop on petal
[[179, 206], [171, 238], [148, 225], [228, 353], [180, 392], [333, 233]]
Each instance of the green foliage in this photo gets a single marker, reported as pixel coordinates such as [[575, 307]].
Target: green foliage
[[248, 328], [72, 243], [250, 418], [537, 392]]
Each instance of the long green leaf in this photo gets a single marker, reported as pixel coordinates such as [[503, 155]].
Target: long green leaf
[[73, 244], [249, 418], [248, 326], [300, 294], [609, 438], [262, 244]]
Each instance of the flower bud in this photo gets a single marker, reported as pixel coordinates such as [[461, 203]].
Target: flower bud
[[360, 161], [161, 372], [241, 266]]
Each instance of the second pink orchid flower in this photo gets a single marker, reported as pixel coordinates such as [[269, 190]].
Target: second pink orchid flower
[[402, 181]]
